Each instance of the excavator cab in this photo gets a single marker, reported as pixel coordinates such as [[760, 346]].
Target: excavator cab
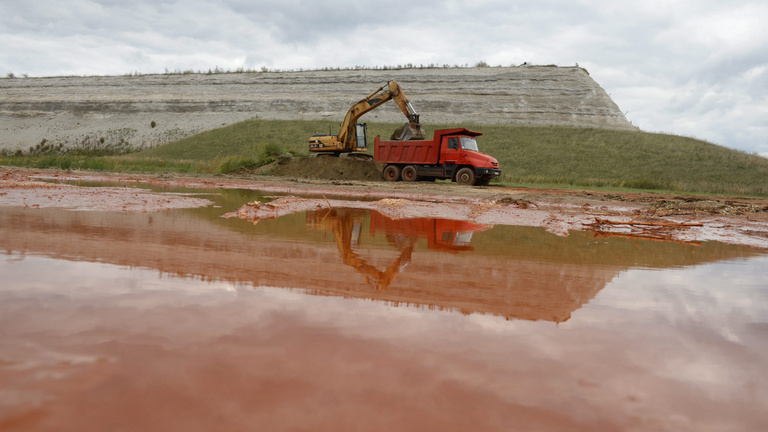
[[361, 137]]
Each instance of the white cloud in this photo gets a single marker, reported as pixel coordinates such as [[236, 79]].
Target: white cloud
[[691, 67]]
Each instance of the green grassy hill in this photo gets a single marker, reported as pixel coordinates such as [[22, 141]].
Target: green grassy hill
[[633, 159], [527, 154], [553, 155]]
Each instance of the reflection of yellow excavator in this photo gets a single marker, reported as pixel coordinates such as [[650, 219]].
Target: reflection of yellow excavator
[[441, 234], [352, 136], [347, 226]]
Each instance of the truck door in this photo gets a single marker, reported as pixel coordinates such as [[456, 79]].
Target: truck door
[[449, 150]]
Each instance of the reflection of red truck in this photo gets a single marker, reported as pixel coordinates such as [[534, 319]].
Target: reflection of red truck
[[451, 154], [441, 234]]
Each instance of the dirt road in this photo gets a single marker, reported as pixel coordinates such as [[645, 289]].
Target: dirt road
[[742, 221]]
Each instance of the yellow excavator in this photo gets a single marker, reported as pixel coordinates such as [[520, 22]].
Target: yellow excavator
[[352, 136]]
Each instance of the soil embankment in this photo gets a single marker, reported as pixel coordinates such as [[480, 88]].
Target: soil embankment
[[154, 109], [326, 168]]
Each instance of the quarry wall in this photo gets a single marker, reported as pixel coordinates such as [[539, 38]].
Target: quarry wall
[[147, 110]]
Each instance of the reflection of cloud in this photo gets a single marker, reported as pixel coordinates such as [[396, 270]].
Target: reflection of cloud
[[691, 324], [649, 347], [732, 291], [35, 275], [725, 290]]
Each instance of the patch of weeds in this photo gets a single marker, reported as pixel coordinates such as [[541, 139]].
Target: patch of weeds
[[270, 153], [646, 184], [233, 163]]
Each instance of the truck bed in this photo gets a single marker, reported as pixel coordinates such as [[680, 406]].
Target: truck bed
[[406, 152]]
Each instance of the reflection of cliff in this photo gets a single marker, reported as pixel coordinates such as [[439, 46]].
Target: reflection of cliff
[[177, 243]]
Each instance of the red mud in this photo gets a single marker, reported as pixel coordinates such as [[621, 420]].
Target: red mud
[[739, 221], [21, 189]]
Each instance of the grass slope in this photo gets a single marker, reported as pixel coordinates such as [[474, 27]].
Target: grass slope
[[556, 155], [633, 159]]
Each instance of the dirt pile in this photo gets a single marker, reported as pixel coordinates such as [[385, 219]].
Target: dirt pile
[[682, 206], [328, 168]]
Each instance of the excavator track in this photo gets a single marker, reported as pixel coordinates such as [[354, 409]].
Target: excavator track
[[356, 156]]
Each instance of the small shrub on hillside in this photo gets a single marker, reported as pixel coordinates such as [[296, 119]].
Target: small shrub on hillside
[[269, 154], [117, 144], [232, 163]]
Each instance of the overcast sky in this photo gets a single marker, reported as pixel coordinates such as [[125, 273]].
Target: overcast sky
[[689, 67]]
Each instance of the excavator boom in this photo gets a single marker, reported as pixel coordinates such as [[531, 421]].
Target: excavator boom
[[349, 139]]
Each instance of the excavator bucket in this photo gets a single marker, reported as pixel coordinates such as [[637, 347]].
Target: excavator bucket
[[409, 131]]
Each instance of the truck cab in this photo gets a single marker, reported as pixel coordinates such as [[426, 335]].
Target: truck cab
[[451, 154], [459, 149]]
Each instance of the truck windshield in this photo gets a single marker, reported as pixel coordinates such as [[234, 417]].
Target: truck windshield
[[468, 143]]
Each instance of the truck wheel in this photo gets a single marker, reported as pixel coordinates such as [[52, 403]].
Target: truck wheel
[[392, 173], [409, 173], [466, 176]]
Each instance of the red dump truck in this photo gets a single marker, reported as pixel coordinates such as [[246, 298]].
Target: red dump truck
[[451, 154]]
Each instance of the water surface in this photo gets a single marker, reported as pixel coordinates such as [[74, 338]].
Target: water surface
[[348, 320]]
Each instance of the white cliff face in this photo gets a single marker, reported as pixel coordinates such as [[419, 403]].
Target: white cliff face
[[112, 110]]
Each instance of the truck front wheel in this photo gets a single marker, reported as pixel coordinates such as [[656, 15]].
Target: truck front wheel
[[392, 173], [466, 176], [409, 173]]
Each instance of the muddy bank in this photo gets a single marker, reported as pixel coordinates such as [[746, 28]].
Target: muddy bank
[[322, 168], [606, 219], [677, 218], [20, 189]]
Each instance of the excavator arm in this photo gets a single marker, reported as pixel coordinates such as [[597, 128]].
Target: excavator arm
[[346, 225], [346, 140]]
